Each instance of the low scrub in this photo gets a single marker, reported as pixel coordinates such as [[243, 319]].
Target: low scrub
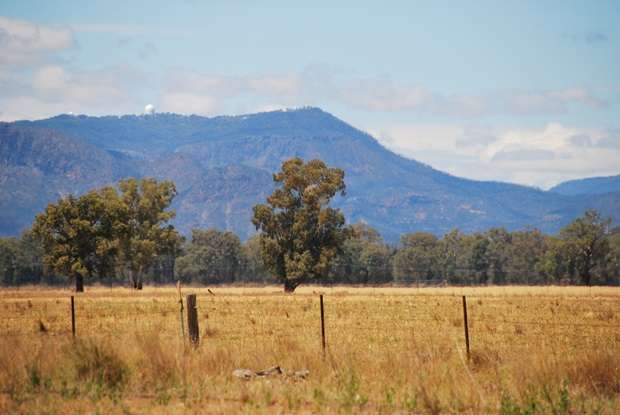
[[99, 366]]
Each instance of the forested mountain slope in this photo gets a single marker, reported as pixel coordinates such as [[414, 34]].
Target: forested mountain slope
[[222, 166]]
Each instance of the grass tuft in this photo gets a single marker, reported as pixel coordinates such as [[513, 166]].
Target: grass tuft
[[98, 365]]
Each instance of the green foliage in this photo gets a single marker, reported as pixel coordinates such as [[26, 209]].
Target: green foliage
[[78, 235], [417, 259], [526, 253], [612, 261], [556, 263], [364, 258], [93, 234], [112, 231], [498, 254], [211, 257], [543, 402], [300, 235], [583, 250], [451, 257], [510, 407], [8, 253], [21, 260], [350, 393], [478, 262], [585, 243], [141, 226], [253, 266], [36, 379]]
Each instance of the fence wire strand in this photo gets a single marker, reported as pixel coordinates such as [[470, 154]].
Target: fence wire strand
[[218, 322]]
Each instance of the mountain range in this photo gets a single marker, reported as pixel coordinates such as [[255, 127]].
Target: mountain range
[[589, 186], [222, 166]]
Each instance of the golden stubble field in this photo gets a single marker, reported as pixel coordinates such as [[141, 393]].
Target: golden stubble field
[[389, 350]]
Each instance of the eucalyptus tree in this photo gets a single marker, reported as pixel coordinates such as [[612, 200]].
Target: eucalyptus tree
[[300, 234], [142, 227], [78, 235]]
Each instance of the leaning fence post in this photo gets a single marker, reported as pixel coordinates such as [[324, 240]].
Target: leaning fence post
[[322, 324], [466, 326], [72, 316], [192, 320]]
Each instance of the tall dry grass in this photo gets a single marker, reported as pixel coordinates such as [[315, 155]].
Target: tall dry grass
[[392, 350]]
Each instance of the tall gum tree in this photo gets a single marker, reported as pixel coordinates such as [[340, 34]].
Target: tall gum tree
[[299, 233], [142, 224], [77, 235]]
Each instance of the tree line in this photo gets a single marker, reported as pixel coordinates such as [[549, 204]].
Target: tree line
[[122, 234]]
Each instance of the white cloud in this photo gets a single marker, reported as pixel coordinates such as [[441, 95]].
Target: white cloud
[[188, 103], [380, 95], [533, 154], [51, 89], [24, 43], [477, 136], [50, 78], [35, 83], [211, 94], [320, 85], [548, 102], [540, 156]]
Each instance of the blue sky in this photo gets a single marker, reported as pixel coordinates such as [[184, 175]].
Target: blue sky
[[525, 92]]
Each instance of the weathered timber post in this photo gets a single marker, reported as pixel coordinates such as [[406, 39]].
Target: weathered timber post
[[72, 316], [322, 324], [466, 326], [192, 320]]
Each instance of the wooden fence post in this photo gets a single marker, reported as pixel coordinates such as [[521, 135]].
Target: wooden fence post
[[72, 316], [322, 324], [466, 326], [192, 320]]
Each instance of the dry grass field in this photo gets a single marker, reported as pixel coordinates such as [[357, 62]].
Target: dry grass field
[[389, 350]]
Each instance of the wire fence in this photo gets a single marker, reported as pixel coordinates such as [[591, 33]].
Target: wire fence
[[226, 320]]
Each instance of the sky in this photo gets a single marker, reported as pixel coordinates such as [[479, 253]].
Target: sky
[[517, 91]]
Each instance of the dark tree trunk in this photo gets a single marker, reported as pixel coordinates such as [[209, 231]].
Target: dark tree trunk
[[290, 285], [139, 285], [586, 277], [133, 283], [79, 283], [136, 279]]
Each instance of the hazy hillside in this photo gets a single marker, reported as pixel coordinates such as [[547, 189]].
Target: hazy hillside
[[40, 165], [223, 166], [589, 186]]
